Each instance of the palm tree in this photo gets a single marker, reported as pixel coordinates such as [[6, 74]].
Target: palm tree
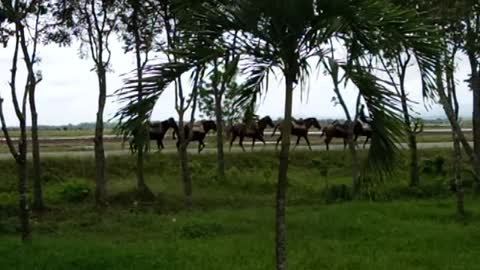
[[281, 36]]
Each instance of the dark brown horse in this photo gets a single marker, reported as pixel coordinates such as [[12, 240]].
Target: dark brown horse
[[199, 133], [254, 131], [299, 129], [364, 131], [157, 131], [338, 130]]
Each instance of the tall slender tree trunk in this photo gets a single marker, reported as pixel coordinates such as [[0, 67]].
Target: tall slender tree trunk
[[185, 169], [471, 45], [281, 200], [219, 120], [355, 161], [412, 145], [100, 163], [476, 120], [23, 187], [458, 176], [141, 186], [20, 155], [38, 203], [29, 59], [356, 185], [412, 136]]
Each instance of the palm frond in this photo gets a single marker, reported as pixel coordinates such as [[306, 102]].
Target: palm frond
[[137, 108], [387, 123]]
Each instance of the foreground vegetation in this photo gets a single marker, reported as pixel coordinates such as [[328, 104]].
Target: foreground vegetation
[[359, 235], [230, 226]]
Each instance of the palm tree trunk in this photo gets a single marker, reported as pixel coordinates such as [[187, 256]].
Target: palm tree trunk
[[141, 186], [476, 120], [101, 185], [185, 170], [219, 120], [412, 144], [458, 176], [281, 200], [355, 161]]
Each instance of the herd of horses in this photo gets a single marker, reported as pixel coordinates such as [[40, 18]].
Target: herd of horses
[[255, 131]]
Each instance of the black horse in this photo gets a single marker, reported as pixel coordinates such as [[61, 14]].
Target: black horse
[[157, 131], [299, 129], [199, 133], [254, 131]]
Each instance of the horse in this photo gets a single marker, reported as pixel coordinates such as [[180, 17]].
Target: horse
[[299, 129], [157, 131], [199, 133], [254, 131], [365, 131], [337, 130]]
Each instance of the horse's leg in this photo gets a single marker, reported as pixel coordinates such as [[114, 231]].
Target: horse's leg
[[241, 143], [298, 142], [253, 143], [260, 138], [327, 142], [344, 143], [278, 141], [159, 145], [200, 141], [199, 146], [308, 142], [365, 143], [234, 137]]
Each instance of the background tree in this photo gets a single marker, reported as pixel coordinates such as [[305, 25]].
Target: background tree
[[10, 15], [216, 100], [230, 112], [395, 64], [31, 29], [92, 22], [140, 27]]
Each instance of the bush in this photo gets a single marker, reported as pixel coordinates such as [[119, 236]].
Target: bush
[[434, 166], [75, 191], [338, 193]]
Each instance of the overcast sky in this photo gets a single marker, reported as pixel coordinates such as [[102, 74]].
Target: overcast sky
[[69, 90]]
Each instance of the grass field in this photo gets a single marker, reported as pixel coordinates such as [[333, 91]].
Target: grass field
[[231, 226]]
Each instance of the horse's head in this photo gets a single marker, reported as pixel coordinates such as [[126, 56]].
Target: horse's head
[[313, 122], [209, 125], [266, 121]]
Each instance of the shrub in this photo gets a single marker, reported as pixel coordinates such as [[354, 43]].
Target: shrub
[[75, 191]]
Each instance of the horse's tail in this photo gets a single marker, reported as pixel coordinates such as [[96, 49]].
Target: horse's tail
[[275, 129]]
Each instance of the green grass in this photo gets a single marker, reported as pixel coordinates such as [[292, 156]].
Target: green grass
[[359, 235], [231, 225]]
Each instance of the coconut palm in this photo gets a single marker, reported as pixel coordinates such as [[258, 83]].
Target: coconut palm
[[281, 36]]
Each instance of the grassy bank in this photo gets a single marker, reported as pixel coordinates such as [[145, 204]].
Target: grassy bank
[[231, 225], [359, 235]]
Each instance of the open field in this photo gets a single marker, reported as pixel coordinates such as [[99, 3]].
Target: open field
[[391, 226], [68, 141]]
